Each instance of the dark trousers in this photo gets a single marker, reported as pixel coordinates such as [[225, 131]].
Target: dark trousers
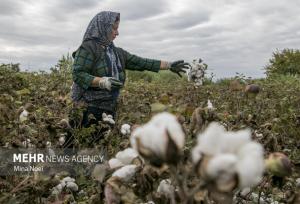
[[91, 115]]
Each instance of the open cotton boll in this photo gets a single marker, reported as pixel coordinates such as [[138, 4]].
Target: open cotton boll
[[171, 124], [253, 148], [72, 186], [125, 129], [115, 163], [23, 116], [48, 144], [62, 183], [209, 105], [222, 169], [61, 140], [196, 154], [59, 187], [108, 118], [250, 171], [232, 141], [126, 156], [209, 140], [68, 179], [166, 188], [250, 166], [126, 172], [151, 138], [222, 164]]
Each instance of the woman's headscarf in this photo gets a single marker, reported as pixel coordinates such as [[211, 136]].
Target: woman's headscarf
[[100, 27]]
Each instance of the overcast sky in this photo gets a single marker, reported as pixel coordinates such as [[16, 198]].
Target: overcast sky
[[229, 35]]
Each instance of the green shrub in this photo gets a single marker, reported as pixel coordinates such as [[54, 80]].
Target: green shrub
[[152, 77], [286, 62]]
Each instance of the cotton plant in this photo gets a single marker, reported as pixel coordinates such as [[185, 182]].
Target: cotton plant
[[196, 72], [159, 141], [228, 158]]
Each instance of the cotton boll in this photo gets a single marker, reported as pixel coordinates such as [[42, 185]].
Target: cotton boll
[[209, 105], [196, 72], [59, 187], [149, 139], [125, 173], [68, 179], [115, 163], [209, 140], [61, 140], [111, 121], [125, 129], [170, 123], [253, 148], [160, 140], [24, 144], [166, 188], [104, 115], [250, 166], [196, 154], [23, 116], [48, 144], [278, 164], [62, 183], [232, 141], [222, 170], [108, 118], [126, 156], [222, 164], [250, 171], [72, 186]]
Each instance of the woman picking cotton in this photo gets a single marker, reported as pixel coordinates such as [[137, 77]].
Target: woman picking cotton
[[99, 68]]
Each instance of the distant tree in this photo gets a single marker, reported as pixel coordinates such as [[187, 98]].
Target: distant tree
[[13, 67], [286, 62], [63, 70]]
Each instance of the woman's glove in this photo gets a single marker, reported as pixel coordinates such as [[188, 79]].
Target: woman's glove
[[110, 83], [178, 66]]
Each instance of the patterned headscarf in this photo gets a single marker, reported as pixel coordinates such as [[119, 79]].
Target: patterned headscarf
[[100, 27]]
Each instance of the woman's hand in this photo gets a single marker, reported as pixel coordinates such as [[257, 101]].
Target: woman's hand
[[178, 67], [109, 83]]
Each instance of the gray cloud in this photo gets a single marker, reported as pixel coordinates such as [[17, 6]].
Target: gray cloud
[[10, 8], [231, 36], [136, 9]]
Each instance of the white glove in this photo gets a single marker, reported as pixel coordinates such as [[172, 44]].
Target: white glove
[[110, 83], [105, 83]]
